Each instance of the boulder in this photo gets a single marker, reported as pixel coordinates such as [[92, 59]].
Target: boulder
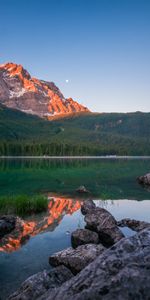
[[87, 206], [133, 224], [144, 179], [121, 273], [109, 236], [7, 224], [83, 236], [76, 259], [37, 285], [101, 221]]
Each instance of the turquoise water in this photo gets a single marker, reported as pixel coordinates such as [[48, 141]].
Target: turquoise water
[[104, 178]]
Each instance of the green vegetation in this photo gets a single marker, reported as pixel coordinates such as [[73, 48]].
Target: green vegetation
[[22, 204], [79, 134]]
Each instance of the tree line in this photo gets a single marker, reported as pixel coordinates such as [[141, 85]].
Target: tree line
[[70, 149]]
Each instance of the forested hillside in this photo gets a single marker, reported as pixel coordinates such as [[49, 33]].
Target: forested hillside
[[78, 134]]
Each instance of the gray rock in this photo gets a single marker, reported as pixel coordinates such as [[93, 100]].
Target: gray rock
[[83, 236], [101, 221], [87, 206], [144, 179], [76, 259], [133, 224], [82, 189], [121, 273], [7, 224], [37, 285]]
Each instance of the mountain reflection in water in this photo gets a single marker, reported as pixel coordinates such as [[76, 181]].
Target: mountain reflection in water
[[57, 209]]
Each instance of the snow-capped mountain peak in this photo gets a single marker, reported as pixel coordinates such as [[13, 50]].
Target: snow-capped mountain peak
[[31, 95]]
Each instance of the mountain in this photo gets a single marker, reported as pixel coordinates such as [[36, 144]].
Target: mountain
[[78, 134], [33, 96]]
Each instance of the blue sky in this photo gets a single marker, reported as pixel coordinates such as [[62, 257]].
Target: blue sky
[[102, 47]]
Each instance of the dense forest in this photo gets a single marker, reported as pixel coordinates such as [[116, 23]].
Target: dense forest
[[78, 134]]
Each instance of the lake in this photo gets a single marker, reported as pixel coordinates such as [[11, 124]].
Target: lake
[[111, 182]]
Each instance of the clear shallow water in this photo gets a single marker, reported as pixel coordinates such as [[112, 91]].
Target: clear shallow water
[[27, 252], [32, 257]]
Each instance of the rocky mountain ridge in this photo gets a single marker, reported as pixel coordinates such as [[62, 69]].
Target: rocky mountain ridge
[[21, 91]]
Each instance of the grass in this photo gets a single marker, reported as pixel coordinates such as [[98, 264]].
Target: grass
[[23, 204]]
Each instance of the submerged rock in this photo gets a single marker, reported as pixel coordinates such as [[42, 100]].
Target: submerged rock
[[144, 179], [76, 259], [101, 221], [82, 189], [83, 236], [7, 224], [87, 206], [37, 285], [133, 224], [121, 272]]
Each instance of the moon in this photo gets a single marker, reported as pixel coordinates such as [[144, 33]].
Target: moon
[[67, 80]]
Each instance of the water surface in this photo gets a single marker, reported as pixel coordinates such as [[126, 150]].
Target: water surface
[[104, 178], [112, 184]]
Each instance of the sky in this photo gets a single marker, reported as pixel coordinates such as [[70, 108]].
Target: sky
[[96, 51]]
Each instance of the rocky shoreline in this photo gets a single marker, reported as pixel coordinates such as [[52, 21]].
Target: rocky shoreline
[[145, 179], [7, 224], [101, 264]]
